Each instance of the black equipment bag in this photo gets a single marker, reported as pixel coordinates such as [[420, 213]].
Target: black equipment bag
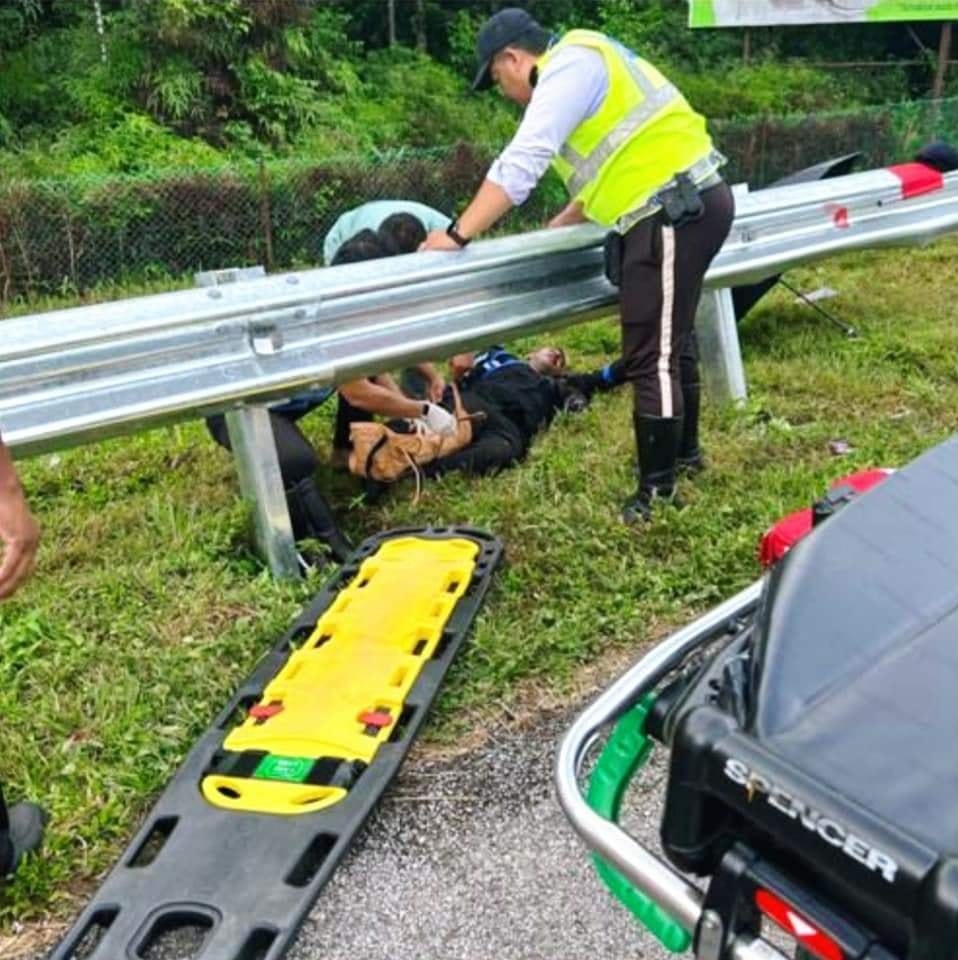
[[820, 746]]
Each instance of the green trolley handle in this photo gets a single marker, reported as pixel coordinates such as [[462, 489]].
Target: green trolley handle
[[626, 751]]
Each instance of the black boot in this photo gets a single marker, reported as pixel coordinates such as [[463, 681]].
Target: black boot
[[25, 832], [312, 518], [690, 459], [657, 441]]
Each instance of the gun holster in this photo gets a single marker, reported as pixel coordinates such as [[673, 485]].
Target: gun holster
[[681, 202], [614, 251]]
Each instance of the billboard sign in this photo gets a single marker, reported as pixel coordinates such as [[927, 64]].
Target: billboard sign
[[764, 13]]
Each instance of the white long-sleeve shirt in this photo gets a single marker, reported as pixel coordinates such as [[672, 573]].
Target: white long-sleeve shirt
[[570, 89]]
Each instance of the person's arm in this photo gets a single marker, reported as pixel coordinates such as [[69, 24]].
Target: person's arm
[[489, 205], [570, 89], [388, 382], [568, 215], [19, 532], [435, 381], [376, 399]]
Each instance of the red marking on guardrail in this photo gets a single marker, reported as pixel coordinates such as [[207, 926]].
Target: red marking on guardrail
[[839, 215], [916, 179]]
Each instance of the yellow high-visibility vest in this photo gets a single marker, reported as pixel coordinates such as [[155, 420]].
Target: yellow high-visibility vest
[[643, 133]]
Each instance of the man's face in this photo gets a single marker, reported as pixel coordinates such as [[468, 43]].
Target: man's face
[[549, 361], [510, 72]]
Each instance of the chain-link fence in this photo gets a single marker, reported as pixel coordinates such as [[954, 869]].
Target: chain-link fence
[[73, 234], [762, 150]]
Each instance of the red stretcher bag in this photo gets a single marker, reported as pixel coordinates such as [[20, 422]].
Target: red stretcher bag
[[783, 535]]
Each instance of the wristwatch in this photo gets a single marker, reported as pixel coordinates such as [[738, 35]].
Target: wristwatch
[[451, 231]]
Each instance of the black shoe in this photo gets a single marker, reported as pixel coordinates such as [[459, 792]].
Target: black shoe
[[692, 465], [689, 459], [638, 508], [312, 518], [27, 821], [657, 442]]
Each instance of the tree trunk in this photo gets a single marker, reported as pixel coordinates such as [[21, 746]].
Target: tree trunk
[[420, 22], [944, 52], [391, 13], [98, 17]]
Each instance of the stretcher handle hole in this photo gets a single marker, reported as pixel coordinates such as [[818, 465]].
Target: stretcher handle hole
[[300, 634], [228, 792], [453, 587], [420, 646], [402, 724], [238, 714], [257, 944], [311, 859], [89, 939], [153, 843], [442, 645], [180, 933], [310, 798]]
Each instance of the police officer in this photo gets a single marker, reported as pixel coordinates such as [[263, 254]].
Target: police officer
[[636, 158], [21, 826]]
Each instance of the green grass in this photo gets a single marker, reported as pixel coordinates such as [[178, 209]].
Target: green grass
[[148, 608]]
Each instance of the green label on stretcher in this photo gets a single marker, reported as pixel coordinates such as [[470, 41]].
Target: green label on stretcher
[[290, 769]]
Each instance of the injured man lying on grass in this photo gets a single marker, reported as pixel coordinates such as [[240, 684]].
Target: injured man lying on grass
[[501, 402]]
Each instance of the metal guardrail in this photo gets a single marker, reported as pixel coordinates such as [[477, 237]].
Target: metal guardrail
[[71, 376]]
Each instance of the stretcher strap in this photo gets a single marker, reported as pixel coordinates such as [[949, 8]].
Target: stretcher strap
[[625, 753]]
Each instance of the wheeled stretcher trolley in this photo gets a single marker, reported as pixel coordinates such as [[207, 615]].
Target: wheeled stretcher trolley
[[811, 724]]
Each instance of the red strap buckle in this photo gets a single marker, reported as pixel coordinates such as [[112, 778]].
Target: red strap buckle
[[376, 718], [263, 711]]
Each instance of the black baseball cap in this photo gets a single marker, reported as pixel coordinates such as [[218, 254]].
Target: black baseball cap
[[940, 155], [500, 30]]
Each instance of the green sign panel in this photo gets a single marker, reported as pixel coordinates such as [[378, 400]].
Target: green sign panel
[[764, 13], [290, 769]]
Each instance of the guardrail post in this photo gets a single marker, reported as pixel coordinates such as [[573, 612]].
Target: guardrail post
[[719, 348], [257, 463]]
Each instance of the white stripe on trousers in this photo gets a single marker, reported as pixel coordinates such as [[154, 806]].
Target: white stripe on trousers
[[665, 320]]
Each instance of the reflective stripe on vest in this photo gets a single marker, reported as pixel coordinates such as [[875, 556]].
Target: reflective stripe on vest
[[653, 100]]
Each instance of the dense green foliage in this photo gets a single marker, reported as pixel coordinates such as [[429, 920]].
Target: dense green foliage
[[154, 83]]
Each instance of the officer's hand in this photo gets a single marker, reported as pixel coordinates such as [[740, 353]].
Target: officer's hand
[[568, 215], [439, 240], [438, 419], [20, 535]]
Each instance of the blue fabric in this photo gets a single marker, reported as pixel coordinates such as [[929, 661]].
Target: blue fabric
[[495, 358], [303, 402]]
